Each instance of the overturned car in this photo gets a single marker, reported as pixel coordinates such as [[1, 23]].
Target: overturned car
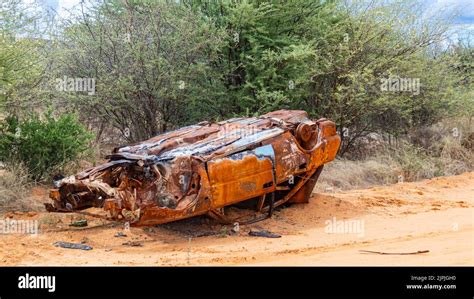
[[265, 161]]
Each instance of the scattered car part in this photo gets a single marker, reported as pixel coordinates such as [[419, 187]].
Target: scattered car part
[[79, 223], [263, 233], [394, 253], [72, 245], [120, 234], [200, 169], [133, 244]]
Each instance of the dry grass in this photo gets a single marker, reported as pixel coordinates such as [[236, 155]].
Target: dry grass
[[426, 153], [14, 188], [347, 174]]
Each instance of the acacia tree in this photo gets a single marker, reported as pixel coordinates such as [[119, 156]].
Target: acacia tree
[[151, 62], [267, 56], [371, 42], [328, 58], [22, 60]]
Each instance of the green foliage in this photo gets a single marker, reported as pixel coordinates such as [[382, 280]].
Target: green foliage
[[43, 146], [267, 59], [159, 65], [151, 61], [21, 62], [461, 70], [329, 58]]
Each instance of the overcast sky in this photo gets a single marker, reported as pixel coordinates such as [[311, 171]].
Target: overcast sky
[[463, 23], [464, 8]]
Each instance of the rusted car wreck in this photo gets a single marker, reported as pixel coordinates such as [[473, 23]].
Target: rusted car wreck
[[200, 169]]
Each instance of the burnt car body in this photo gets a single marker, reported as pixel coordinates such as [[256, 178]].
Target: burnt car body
[[200, 169]]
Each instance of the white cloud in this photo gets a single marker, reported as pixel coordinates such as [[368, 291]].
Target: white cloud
[[463, 8]]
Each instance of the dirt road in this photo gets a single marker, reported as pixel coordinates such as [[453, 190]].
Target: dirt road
[[435, 215]]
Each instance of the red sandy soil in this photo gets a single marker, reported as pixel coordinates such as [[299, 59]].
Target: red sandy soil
[[435, 215]]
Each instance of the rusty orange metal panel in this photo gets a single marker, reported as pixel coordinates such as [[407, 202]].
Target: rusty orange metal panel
[[241, 176], [289, 158]]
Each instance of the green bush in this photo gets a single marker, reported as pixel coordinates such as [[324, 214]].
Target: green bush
[[44, 145]]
